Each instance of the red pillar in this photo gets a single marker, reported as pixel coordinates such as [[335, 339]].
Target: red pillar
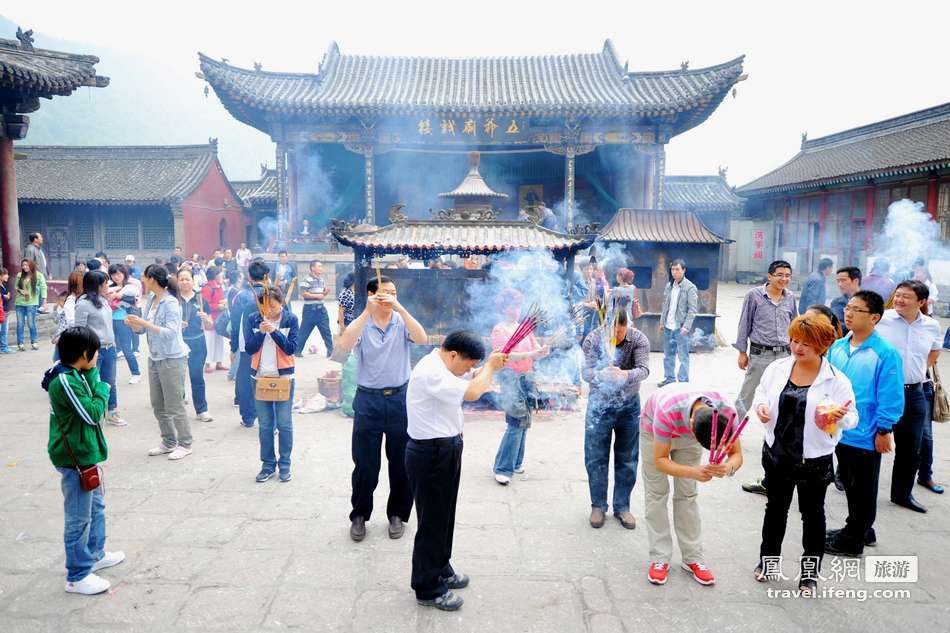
[[869, 218], [932, 192], [822, 217], [9, 213]]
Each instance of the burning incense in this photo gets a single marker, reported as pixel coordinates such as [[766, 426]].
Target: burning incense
[[722, 454], [533, 319], [714, 444]]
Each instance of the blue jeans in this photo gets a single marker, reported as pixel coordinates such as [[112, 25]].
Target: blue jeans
[[244, 389], [510, 456], [136, 337], [84, 535], [925, 472], [198, 352], [623, 423], [4, 342], [106, 365], [277, 414], [315, 316], [25, 314], [123, 340], [675, 345]]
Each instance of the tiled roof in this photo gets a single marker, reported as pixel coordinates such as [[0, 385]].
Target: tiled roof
[[460, 237], [137, 174], [262, 191], [699, 193], [907, 144], [42, 73], [593, 84], [658, 225]]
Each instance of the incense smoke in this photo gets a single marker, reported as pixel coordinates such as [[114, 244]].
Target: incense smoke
[[909, 234]]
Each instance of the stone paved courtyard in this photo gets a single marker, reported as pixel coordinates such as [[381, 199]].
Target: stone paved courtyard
[[208, 549]]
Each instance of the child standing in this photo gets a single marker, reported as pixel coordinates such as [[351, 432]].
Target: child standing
[[271, 343], [4, 308], [518, 391], [78, 400]]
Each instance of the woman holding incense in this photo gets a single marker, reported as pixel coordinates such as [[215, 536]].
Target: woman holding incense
[[616, 362], [804, 404], [678, 421], [518, 392]]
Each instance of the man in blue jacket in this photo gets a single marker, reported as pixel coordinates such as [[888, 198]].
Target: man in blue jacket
[[876, 372], [245, 306]]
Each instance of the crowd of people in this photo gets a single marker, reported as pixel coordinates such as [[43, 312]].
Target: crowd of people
[[824, 386]]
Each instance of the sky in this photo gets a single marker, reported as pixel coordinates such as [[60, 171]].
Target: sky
[[819, 67]]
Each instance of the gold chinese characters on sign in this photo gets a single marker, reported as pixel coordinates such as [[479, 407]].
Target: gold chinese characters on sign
[[488, 127]]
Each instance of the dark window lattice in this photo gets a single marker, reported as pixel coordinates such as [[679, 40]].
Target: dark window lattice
[[158, 230], [83, 235], [121, 230]]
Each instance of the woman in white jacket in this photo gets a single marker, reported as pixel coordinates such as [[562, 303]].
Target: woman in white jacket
[[804, 404]]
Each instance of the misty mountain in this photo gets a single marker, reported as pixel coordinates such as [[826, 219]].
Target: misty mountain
[[146, 103]]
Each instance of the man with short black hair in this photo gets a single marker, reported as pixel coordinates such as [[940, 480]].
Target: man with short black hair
[[380, 338], [285, 272], [680, 304], [849, 282], [918, 339], [434, 458], [313, 291], [245, 306], [876, 373], [767, 311], [813, 292], [34, 251]]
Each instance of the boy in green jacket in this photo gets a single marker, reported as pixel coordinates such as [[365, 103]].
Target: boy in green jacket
[[78, 400]]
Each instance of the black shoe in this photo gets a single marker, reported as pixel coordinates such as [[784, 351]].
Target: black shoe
[[755, 487], [665, 382], [831, 534], [839, 485], [396, 527], [911, 504], [264, 475], [298, 355], [448, 601], [932, 486], [358, 529], [808, 587], [870, 539], [835, 547], [458, 581]]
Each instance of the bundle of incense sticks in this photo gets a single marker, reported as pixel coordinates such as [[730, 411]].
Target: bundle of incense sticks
[[730, 435], [532, 319], [262, 301], [565, 333]]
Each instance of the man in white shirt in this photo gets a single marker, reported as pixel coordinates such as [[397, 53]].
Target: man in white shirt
[[917, 338], [434, 458], [243, 256]]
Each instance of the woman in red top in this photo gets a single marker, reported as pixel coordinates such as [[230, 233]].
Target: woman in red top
[[213, 293]]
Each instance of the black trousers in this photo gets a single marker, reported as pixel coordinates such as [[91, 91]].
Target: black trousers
[[811, 480], [376, 415], [908, 436], [860, 472], [314, 315], [434, 468]]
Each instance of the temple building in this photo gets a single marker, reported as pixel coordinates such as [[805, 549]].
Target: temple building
[[143, 200], [578, 134], [26, 75], [259, 198], [831, 198]]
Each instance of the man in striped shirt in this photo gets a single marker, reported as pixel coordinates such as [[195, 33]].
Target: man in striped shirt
[[675, 426]]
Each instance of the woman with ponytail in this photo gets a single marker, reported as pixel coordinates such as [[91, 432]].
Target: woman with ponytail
[[167, 361]]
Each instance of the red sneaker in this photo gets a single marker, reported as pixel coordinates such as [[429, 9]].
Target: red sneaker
[[658, 572], [701, 573]]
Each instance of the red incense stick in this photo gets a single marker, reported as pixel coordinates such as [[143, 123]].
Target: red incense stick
[[733, 440]]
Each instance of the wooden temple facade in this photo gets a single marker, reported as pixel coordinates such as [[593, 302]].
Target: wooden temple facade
[[580, 134], [28, 74]]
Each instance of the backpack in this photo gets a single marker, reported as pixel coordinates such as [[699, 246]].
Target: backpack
[[222, 325]]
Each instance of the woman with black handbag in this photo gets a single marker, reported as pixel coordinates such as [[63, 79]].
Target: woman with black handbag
[[78, 400]]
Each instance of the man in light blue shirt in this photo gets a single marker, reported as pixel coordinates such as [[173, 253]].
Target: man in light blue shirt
[[877, 376], [380, 338]]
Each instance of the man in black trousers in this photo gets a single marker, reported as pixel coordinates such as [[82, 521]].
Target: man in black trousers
[[434, 458]]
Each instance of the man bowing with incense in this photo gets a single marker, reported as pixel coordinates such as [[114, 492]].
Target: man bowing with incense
[[434, 458]]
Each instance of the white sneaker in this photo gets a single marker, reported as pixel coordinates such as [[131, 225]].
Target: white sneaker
[[504, 480], [134, 380], [205, 417], [159, 450], [519, 470], [111, 559], [180, 452], [114, 419], [89, 586], [120, 355]]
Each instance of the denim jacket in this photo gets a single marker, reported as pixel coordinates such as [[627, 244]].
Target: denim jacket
[[169, 342]]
